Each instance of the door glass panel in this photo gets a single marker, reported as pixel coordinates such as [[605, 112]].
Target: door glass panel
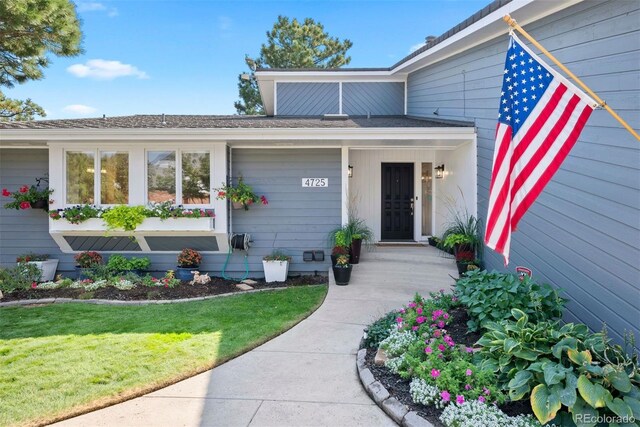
[[427, 188]]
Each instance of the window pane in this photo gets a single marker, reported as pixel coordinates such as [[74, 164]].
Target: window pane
[[161, 176], [195, 178], [80, 177], [114, 178]]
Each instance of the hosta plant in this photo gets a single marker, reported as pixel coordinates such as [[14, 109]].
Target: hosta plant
[[490, 297], [562, 367]]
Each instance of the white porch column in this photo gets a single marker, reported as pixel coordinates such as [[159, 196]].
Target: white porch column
[[345, 184]]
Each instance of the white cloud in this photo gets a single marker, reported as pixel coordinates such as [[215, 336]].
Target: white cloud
[[101, 69], [416, 47], [93, 6], [79, 109]]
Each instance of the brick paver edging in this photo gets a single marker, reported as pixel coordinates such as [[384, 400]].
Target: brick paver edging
[[398, 411], [141, 302]]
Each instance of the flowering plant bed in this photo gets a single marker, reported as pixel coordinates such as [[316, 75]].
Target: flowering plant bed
[[466, 369], [124, 289]]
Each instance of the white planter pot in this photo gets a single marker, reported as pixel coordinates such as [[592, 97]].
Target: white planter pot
[[275, 271], [48, 269]]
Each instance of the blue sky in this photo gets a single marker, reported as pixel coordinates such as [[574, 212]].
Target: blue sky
[[183, 57]]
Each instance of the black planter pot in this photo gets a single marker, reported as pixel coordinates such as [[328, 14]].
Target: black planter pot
[[433, 242], [356, 248], [185, 273], [40, 204], [342, 275], [462, 267]]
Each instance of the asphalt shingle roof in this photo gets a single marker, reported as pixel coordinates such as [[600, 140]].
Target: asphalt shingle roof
[[226, 122]]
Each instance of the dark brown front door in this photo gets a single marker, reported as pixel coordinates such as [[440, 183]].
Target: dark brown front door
[[397, 201]]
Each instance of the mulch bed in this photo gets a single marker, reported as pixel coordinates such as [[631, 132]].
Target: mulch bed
[[399, 388], [217, 286]]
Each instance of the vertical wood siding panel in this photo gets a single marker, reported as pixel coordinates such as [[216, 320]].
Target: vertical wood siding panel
[[583, 233]]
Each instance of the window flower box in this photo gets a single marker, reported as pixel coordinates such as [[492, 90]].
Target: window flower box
[[97, 225]]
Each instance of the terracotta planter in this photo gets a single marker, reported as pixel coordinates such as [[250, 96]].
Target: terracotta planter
[[356, 248], [237, 205]]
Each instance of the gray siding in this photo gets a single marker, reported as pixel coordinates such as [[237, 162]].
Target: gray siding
[[583, 232], [377, 99], [25, 230], [307, 99], [297, 219]]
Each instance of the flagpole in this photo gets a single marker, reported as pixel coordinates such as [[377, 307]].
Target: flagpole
[[512, 23]]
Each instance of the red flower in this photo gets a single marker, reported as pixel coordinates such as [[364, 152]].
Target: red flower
[[6, 192], [221, 194], [264, 200], [34, 285], [25, 205], [24, 189]]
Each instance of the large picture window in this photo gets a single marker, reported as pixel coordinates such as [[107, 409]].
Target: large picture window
[[185, 182], [100, 177]]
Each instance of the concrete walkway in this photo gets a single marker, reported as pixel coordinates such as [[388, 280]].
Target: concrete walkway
[[305, 377]]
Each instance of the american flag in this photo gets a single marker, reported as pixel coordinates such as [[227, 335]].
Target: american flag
[[541, 116]]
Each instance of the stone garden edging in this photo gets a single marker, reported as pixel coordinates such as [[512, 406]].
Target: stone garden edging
[[398, 411], [140, 302]]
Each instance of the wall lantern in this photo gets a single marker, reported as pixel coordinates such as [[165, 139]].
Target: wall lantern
[[439, 171], [350, 171]]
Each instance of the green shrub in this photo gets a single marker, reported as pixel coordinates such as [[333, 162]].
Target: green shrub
[[380, 329], [22, 276], [118, 263], [491, 296], [560, 367], [124, 217]]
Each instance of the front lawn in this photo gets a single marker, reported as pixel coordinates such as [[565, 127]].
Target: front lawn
[[63, 359]]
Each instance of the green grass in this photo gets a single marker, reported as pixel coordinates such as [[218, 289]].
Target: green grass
[[65, 359]]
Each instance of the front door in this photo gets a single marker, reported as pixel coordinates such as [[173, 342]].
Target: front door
[[397, 201]]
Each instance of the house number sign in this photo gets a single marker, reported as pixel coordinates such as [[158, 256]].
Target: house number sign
[[315, 182]]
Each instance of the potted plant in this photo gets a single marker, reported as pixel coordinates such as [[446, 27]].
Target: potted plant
[[241, 195], [463, 246], [468, 265], [46, 266], [118, 264], [188, 260], [434, 241], [85, 262], [342, 270], [341, 246], [28, 197], [357, 232], [276, 267]]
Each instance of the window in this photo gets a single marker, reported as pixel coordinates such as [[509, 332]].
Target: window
[[193, 187], [161, 176], [196, 178], [114, 177], [97, 177], [80, 177]]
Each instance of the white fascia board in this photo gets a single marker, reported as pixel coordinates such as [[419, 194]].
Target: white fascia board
[[171, 136], [336, 75], [487, 28]]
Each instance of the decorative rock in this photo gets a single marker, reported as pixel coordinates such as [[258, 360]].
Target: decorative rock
[[366, 377], [412, 419], [362, 353], [377, 391], [395, 409], [380, 358], [0, 294], [249, 282], [244, 287]]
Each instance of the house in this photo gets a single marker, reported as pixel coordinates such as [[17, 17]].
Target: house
[[376, 138]]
